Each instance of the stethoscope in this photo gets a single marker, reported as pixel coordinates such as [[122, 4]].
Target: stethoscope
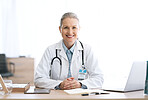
[[56, 57]]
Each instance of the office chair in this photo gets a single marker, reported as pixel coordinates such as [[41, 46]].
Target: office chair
[[4, 68]]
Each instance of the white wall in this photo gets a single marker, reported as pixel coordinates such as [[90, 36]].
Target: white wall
[[116, 29], [0, 25]]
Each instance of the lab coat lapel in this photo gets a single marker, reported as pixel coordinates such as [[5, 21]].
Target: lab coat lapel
[[76, 54], [77, 51], [62, 52]]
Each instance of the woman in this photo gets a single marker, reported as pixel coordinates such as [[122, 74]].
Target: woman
[[68, 64]]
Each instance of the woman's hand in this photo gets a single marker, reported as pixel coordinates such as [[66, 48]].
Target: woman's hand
[[70, 83]]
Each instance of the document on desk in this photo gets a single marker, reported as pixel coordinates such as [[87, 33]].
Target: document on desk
[[20, 87], [82, 91], [37, 91]]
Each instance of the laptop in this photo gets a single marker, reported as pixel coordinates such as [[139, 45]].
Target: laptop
[[134, 81]]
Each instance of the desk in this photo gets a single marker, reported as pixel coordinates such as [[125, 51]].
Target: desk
[[61, 95]]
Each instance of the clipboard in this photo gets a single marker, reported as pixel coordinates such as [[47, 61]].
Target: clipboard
[[3, 85]]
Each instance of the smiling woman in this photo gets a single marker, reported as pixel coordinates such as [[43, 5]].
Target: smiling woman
[[115, 29], [72, 72], [69, 29]]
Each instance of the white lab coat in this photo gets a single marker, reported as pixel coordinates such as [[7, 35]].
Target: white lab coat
[[42, 74]]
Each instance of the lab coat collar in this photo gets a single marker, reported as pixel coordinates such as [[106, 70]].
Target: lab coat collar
[[71, 49], [77, 51], [78, 47], [60, 47]]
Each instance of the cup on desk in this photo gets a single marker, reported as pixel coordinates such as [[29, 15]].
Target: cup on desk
[[8, 84]]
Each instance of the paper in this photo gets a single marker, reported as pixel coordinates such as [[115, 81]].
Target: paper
[[37, 91], [19, 85], [81, 91]]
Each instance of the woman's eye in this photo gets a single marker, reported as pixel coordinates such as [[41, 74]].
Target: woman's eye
[[74, 27], [65, 27]]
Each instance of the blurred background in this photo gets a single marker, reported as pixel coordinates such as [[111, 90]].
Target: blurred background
[[117, 30]]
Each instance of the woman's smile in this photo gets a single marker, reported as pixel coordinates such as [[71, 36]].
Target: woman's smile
[[70, 36]]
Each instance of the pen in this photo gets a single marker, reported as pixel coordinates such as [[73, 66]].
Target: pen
[[87, 94]]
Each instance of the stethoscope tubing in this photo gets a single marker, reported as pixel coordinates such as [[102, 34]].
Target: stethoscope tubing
[[56, 57]]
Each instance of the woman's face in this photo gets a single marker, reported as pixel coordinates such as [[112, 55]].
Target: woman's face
[[69, 30]]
